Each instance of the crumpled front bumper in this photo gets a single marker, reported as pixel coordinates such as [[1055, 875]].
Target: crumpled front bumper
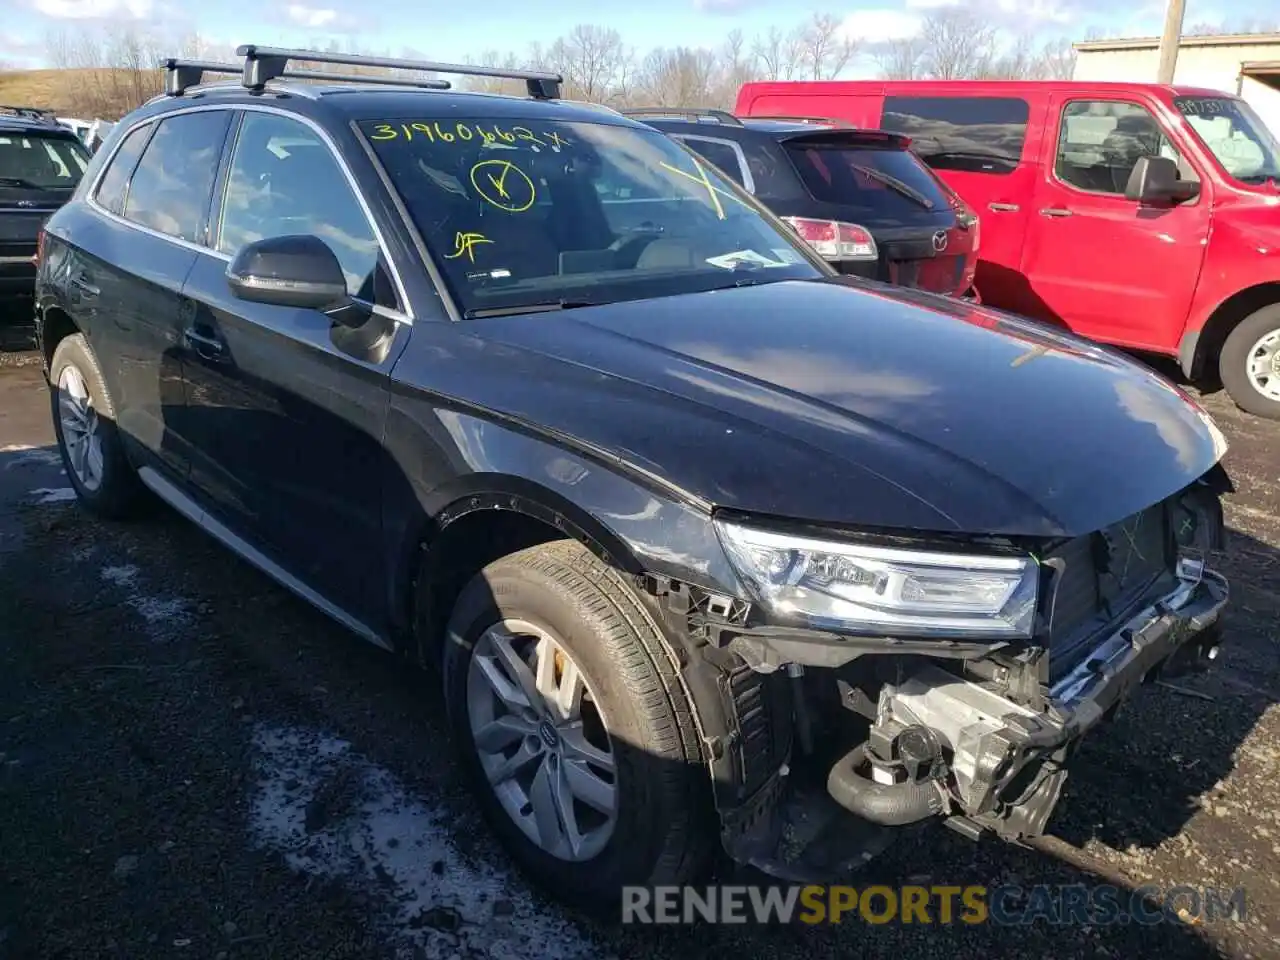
[[1004, 762]]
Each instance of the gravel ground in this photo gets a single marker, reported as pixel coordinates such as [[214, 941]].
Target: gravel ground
[[194, 764]]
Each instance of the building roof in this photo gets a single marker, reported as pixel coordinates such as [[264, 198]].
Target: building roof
[[1153, 43]]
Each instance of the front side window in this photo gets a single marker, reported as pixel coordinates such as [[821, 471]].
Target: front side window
[[527, 213], [972, 134], [1101, 141], [720, 153], [172, 185], [115, 181], [284, 180], [1236, 136], [37, 161]]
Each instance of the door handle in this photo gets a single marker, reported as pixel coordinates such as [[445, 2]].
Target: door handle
[[1003, 207], [204, 346], [84, 286], [1055, 212]]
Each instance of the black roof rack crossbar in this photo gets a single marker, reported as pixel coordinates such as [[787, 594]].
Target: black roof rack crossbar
[[29, 113], [181, 75], [263, 64], [688, 113]]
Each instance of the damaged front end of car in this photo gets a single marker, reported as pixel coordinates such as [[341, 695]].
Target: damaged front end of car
[[874, 683]]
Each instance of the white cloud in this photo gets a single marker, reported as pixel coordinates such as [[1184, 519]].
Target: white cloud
[[880, 25], [314, 17], [93, 9]]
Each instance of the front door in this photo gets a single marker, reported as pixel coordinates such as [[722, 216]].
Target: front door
[[1096, 262], [287, 406]]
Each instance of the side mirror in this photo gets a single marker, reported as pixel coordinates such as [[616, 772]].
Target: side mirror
[[1155, 182], [291, 271]]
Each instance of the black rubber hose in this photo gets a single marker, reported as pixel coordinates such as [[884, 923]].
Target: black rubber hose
[[888, 804]]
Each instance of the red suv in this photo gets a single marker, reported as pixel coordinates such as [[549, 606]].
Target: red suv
[[1140, 215]]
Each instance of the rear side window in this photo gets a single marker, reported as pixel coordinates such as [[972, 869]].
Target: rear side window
[[171, 188], [111, 189], [722, 153], [882, 182], [973, 134]]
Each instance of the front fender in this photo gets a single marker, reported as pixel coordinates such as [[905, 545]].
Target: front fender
[[445, 463]]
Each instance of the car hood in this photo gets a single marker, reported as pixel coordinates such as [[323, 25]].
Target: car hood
[[846, 403]]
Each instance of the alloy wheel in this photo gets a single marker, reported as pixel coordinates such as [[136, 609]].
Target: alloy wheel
[[542, 740], [80, 428], [1263, 362]]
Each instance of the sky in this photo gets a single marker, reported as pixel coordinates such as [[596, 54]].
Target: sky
[[451, 31]]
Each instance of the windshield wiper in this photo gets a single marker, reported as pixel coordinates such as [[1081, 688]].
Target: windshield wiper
[[541, 306], [19, 182], [893, 183]]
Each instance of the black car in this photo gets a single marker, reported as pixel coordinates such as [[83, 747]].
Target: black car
[[698, 531], [40, 164], [861, 198]]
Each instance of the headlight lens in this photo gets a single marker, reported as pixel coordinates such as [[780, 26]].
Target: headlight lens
[[885, 590]]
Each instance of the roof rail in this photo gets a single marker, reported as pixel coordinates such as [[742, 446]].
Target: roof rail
[[29, 113], [263, 64], [686, 113], [181, 75], [831, 120]]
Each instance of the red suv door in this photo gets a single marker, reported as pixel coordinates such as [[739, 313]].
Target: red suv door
[[1095, 261]]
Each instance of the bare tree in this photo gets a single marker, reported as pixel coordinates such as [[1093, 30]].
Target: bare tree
[[678, 76], [777, 55], [958, 44], [590, 60], [820, 49], [1057, 60], [901, 59]]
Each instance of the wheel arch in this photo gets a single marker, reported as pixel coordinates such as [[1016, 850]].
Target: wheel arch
[[1199, 350], [54, 327], [484, 517]]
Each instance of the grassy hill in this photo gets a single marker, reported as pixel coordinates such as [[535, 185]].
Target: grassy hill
[[85, 93]]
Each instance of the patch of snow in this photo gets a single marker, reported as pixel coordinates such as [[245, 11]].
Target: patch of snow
[[31, 457], [53, 494], [333, 814], [164, 615]]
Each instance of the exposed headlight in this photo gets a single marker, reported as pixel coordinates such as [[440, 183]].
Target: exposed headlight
[[868, 589]]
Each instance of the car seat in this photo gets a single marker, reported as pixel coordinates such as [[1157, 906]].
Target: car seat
[[1133, 137]]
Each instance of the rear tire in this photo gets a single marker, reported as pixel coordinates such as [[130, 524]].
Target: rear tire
[[557, 598], [1249, 363], [84, 421]]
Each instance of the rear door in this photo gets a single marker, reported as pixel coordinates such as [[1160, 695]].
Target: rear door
[[1095, 261], [984, 147], [130, 263], [287, 407]]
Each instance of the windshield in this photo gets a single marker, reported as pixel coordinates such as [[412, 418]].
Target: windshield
[[882, 183], [573, 213], [1235, 135], [37, 162]]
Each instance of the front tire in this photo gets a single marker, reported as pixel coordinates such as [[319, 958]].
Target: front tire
[[84, 421], [1249, 364], [574, 728]]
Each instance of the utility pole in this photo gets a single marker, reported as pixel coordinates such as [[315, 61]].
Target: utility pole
[[1169, 40]]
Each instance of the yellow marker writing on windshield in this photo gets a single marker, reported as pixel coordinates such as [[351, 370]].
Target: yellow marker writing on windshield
[[504, 185], [714, 192], [464, 244]]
